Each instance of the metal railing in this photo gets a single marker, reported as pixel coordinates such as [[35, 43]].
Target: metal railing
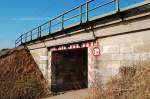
[[80, 15]]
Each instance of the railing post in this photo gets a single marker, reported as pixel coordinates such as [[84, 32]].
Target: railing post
[[31, 34], [21, 38], [87, 7], [39, 31], [81, 13], [49, 27], [62, 21], [117, 5], [25, 37]]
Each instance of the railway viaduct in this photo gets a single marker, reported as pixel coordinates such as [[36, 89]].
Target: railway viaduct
[[74, 56]]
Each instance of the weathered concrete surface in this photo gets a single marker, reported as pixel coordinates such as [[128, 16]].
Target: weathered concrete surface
[[121, 27], [41, 57], [122, 50], [122, 42]]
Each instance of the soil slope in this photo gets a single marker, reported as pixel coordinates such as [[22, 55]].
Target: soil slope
[[20, 77]]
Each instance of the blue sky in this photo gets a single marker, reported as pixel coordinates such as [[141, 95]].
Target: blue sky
[[19, 16]]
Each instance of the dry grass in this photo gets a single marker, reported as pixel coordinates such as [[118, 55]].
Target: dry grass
[[20, 77], [133, 83]]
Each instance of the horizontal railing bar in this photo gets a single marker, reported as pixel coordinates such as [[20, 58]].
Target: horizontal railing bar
[[71, 10], [46, 23], [101, 5], [18, 38], [43, 24], [33, 33], [18, 41], [78, 7], [56, 17], [28, 36], [72, 17], [56, 24], [45, 29], [34, 29], [24, 35]]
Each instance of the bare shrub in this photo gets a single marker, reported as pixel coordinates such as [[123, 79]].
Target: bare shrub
[[134, 83]]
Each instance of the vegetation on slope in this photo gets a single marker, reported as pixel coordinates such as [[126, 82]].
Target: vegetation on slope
[[20, 77]]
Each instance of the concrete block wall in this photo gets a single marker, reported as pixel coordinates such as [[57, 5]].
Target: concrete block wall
[[122, 50], [41, 58], [116, 51]]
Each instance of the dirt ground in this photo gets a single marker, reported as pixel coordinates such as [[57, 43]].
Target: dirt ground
[[79, 94]]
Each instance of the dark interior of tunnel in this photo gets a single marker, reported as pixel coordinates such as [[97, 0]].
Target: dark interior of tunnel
[[69, 70]]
